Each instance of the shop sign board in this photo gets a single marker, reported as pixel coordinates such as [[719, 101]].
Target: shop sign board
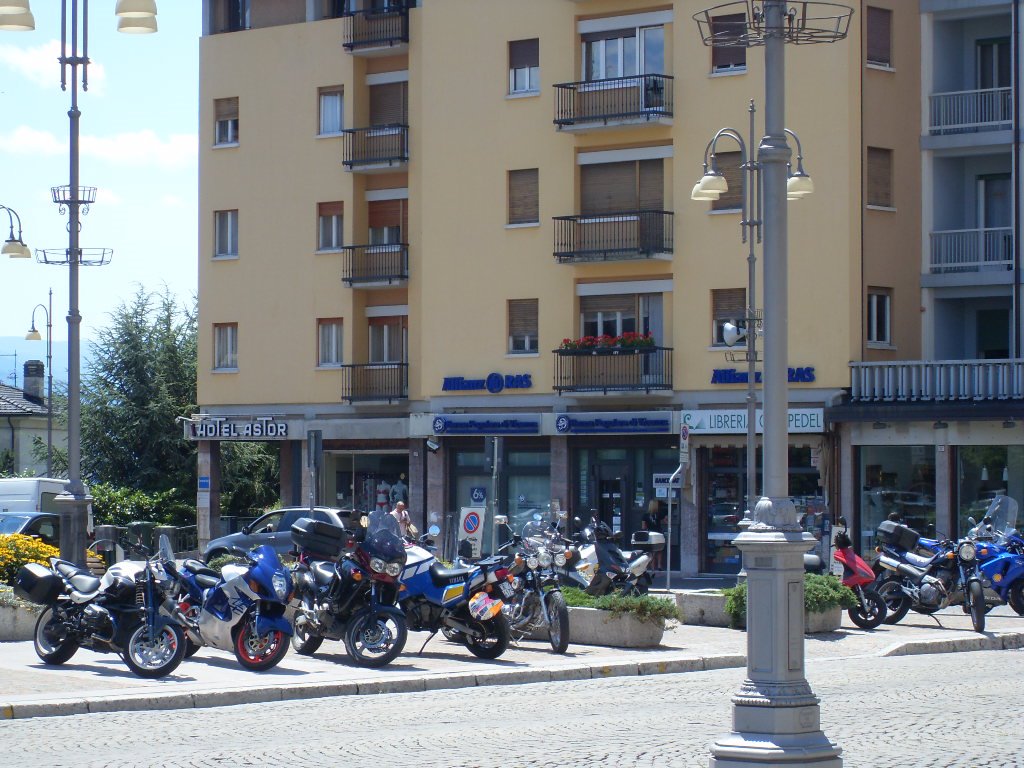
[[485, 424], [653, 422], [734, 422]]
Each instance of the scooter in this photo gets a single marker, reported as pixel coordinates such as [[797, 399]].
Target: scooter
[[614, 571], [870, 610]]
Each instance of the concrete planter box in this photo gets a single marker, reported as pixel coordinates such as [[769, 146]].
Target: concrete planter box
[[592, 626], [17, 623], [707, 607]]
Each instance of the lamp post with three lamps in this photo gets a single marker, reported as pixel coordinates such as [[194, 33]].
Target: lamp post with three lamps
[[33, 335], [14, 246], [134, 16]]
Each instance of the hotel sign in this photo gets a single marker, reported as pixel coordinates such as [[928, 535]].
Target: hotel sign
[[239, 428]]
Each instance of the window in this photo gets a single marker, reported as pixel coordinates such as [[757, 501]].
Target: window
[[391, 235], [728, 164], [329, 226], [387, 339], [622, 187], [329, 342], [994, 63], [389, 104], [230, 15], [225, 234], [331, 111], [879, 36], [523, 205], [608, 315], [386, 220], [226, 128], [225, 346], [728, 305], [524, 66], [879, 316], [724, 57], [522, 326], [879, 182], [619, 54]]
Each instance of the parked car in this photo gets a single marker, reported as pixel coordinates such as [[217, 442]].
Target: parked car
[[273, 528], [42, 525]]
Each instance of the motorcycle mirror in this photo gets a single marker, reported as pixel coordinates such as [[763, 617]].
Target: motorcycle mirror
[[433, 530], [971, 521], [166, 551], [536, 515], [500, 519]]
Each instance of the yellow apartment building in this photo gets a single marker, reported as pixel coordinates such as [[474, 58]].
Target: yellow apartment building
[[448, 254]]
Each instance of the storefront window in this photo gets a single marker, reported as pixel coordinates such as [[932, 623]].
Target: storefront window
[[367, 481], [984, 472], [896, 482], [529, 487]]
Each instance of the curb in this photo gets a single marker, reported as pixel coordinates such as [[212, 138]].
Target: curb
[[129, 702]]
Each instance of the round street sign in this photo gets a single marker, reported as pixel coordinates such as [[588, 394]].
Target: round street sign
[[471, 523]]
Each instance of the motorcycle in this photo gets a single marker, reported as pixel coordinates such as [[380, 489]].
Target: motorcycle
[[614, 571], [870, 610], [1001, 552], [117, 613], [243, 611], [465, 600], [354, 598]]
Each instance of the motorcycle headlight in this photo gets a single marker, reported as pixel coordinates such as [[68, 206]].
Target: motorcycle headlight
[[393, 569], [560, 559], [967, 551], [532, 563], [378, 565], [544, 558], [281, 585]]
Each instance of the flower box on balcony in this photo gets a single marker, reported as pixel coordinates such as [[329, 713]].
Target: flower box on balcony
[[605, 351]]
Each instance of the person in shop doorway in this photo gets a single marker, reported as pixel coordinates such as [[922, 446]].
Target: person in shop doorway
[[653, 520], [401, 514]]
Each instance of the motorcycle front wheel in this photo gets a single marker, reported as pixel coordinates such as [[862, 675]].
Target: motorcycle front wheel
[[155, 656], [976, 596], [375, 638], [897, 602], [870, 611], [258, 652], [558, 628], [497, 636], [51, 642], [303, 641]]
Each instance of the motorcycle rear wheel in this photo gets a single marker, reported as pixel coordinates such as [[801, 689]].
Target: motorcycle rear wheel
[[558, 629], [495, 641], [257, 652], [156, 657], [375, 638], [897, 603], [50, 647], [1016, 598], [305, 642], [976, 596], [870, 611]]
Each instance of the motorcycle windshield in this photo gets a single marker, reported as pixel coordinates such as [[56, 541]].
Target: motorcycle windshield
[[1003, 512], [379, 520], [385, 544], [266, 563]]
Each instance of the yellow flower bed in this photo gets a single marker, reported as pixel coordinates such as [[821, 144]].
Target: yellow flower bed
[[17, 549]]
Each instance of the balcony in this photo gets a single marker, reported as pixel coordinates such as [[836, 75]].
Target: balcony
[[971, 250], [618, 101], [372, 266], [378, 32], [619, 236], [375, 382], [643, 369], [937, 381], [378, 149], [974, 111]]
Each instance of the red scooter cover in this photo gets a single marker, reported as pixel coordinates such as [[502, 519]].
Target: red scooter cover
[[856, 572]]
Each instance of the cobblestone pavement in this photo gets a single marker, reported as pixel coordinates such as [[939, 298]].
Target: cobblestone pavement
[[947, 710]]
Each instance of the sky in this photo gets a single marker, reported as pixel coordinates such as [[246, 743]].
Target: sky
[[138, 134]]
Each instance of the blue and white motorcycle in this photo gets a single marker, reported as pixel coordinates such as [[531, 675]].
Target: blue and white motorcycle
[[242, 610]]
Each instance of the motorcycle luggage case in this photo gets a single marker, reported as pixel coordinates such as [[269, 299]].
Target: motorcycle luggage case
[[648, 541], [896, 535], [37, 584], [319, 538]]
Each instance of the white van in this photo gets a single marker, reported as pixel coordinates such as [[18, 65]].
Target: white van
[[28, 505]]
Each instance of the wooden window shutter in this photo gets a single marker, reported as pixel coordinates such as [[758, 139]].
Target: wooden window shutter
[[879, 36], [524, 53], [226, 109], [729, 303], [523, 204], [879, 181], [522, 317], [385, 213], [727, 56], [729, 165], [624, 303], [608, 188], [389, 104], [331, 209], [652, 185]]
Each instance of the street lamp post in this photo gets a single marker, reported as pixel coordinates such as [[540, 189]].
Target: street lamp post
[[134, 16], [33, 335], [776, 718], [14, 246]]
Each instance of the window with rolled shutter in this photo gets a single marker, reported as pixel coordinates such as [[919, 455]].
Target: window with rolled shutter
[[522, 325], [611, 315], [727, 57], [608, 188], [651, 185], [879, 36], [728, 305], [226, 120], [524, 66], [523, 203], [389, 104], [329, 225], [728, 164], [879, 177]]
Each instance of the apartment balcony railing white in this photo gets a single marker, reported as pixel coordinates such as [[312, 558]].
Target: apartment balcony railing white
[[989, 109], [971, 250], [939, 380]]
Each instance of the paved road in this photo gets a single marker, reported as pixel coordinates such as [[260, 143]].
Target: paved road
[[947, 710]]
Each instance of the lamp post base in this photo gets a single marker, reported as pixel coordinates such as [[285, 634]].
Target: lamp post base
[[767, 750]]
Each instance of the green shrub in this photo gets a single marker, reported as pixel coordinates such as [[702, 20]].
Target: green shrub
[[120, 506], [820, 594], [647, 608], [220, 561]]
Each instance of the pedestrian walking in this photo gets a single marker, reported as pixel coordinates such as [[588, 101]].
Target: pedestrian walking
[[401, 514]]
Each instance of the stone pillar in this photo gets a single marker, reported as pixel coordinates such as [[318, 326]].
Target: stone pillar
[[418, 505], [208, 500], [560, 485], [945, 488]]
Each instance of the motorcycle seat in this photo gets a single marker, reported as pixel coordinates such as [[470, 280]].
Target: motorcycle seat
[[443, 576], [323, 572], [80, 578]]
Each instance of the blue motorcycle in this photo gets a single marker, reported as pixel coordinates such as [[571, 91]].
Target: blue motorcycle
[[1001, 552], [242, 610]]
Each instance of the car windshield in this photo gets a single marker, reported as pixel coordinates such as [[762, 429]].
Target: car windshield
[[12, 523]]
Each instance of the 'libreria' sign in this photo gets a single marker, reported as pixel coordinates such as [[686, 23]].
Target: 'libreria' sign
[[732, 376], [493, 383], [724, 422]]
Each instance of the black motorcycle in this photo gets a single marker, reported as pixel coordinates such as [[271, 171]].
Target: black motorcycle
[[353, 597], [614, 570], [118, 613]]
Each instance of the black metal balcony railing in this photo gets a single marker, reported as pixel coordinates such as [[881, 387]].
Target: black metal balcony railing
[[613, 236], [375, 381], [375, 263], [640, 98], [377, 145], [937, 380], [613, 369], [377, 28]]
